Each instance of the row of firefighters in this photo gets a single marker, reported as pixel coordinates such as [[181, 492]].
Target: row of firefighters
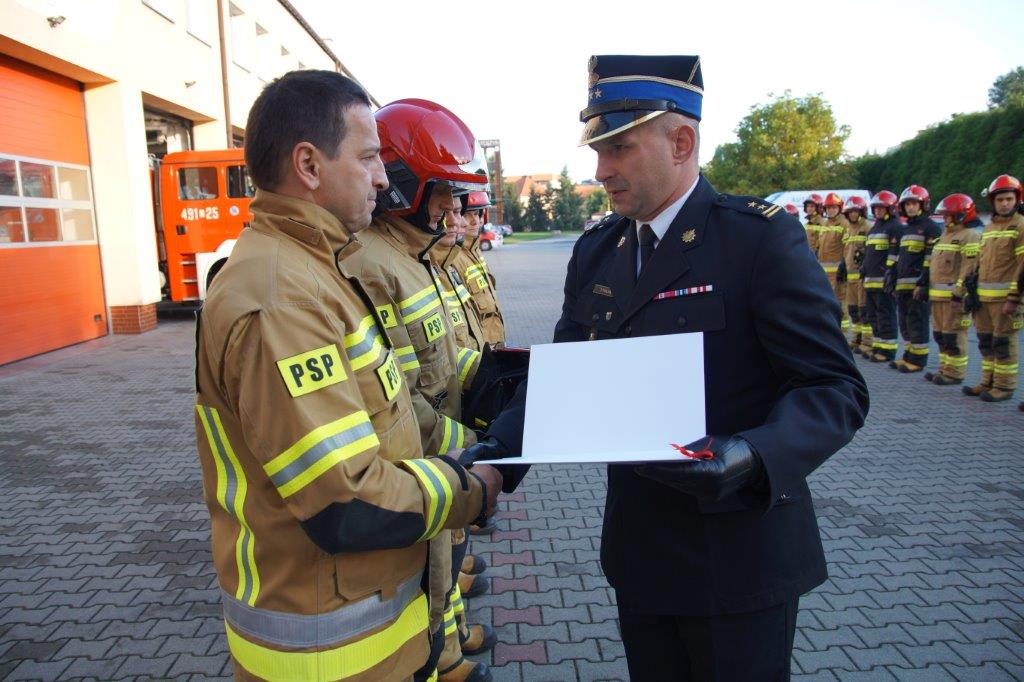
[[902, 271], [434, 324]]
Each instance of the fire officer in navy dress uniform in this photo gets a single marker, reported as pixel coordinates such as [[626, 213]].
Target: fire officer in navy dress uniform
[[708, 558]]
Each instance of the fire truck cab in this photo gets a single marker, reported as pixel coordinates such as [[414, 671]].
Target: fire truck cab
[[201, 205]]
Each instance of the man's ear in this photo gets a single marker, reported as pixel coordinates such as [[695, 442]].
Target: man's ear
[[684, 143], [306, 166]]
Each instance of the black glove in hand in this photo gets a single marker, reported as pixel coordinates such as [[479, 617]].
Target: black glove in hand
[[889, 282], [734, 466], [489, 448], [841, 271]]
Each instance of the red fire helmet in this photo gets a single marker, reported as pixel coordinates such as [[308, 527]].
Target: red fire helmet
[[813, 199], [423, 142], [916, 193], [884, 198], [1005, 183], [476, 201], [960, 207], [833, 199], [856, 204], [791, 209]]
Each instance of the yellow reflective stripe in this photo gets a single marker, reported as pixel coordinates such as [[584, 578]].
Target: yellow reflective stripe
[[1006, 369], [450, 626], [232, 487], [454, 435], [319, 451], [439, 494], [942, 246], [1019, 250], [917, 350], [331, 664], [407, 358], [957, 360], [457, 599], [364, 345], [940, 293], [885, 346], [467, 359], [463, 292], [987, 364], [997, 234], [853, 276], [419, 304]]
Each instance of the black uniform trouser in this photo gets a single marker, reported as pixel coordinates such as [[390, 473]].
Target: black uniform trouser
[[914, 324], [741, 647], [881, 315]]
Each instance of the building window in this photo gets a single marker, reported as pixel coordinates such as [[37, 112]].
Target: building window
[[200, 16], [197, 184], [164, 8], [44, 202], [239, 183]]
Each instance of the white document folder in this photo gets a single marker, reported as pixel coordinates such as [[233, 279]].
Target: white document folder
[[620, 400]]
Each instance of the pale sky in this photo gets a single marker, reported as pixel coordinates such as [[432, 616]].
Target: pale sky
[[517, 70]]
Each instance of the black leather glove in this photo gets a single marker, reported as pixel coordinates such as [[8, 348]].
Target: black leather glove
[[488, 448], [841, 271], [735, 465], [889, 282]]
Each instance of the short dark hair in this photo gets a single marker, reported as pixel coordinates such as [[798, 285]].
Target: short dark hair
[[300, 106]]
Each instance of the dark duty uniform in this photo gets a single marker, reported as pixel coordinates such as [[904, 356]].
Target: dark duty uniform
[[710, 590]]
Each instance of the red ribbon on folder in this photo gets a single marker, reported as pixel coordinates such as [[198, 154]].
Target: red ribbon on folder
[[703, 453]]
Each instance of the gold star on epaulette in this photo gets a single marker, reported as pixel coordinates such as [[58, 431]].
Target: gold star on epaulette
[[752, 204], [622, 240], [689, 236], [596, 94]]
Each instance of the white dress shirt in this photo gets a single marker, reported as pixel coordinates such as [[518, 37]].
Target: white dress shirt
[[661, 222]]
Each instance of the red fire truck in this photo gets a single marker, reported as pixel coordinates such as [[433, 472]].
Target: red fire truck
[[201, 203]]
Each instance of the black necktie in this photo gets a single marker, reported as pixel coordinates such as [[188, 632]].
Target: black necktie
[[647, 244]]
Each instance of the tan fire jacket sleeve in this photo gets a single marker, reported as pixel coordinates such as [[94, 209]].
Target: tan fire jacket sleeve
[[968, 261], [306, 423]]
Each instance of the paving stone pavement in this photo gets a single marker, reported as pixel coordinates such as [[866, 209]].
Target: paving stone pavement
[[105, 568]]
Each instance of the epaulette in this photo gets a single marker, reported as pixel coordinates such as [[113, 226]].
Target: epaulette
[[751, 205], [609, 219]]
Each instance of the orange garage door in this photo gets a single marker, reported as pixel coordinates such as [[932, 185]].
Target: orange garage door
[[51, 289]]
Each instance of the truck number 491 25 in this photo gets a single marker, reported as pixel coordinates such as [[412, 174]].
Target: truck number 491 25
[[208, 213]]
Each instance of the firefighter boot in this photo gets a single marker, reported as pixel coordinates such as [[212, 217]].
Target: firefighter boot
[[943, 380], [930, 376], [473, 585], [473, 565], [909, 367], [465, 671], [995, 395], [1021, 407], [480, 639]]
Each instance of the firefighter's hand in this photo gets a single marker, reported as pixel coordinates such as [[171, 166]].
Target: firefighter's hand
[[1010, 307], [485, 448], [841, 271], [889, 282], [735, 465], [920, 294], [491, 480]]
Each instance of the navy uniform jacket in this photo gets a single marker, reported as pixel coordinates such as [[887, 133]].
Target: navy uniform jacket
[[778, 373]]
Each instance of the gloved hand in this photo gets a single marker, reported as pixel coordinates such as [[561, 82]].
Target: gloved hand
[[889, 282], [920, 293], [484, 448], [841, 271], [490, 479], [735, 465]]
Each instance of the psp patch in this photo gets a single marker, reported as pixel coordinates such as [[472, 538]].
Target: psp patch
[[433, 327], [386, 313], [312, 370], [390, 377]]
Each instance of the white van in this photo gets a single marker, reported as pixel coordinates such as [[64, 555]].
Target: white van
[[797, 196]]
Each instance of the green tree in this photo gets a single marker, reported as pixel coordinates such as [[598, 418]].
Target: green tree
[[597, 202], [536, 217], [511, 206], [790, 142], [1007, 90], [567, 209]]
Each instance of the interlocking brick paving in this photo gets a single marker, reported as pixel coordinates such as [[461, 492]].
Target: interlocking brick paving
[[105, 567]]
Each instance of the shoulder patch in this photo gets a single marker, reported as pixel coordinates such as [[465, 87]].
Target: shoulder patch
[[751, 205], [312, 370], [607, 221]]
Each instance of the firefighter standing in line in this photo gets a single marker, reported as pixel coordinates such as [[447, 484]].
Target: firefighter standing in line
[[853, 256], [465, 322], [954, 257], [812, 209], [475, 273], [321, 503], [831, 233], [882, 248], [998, 320], [429, 154], [916, 241]]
